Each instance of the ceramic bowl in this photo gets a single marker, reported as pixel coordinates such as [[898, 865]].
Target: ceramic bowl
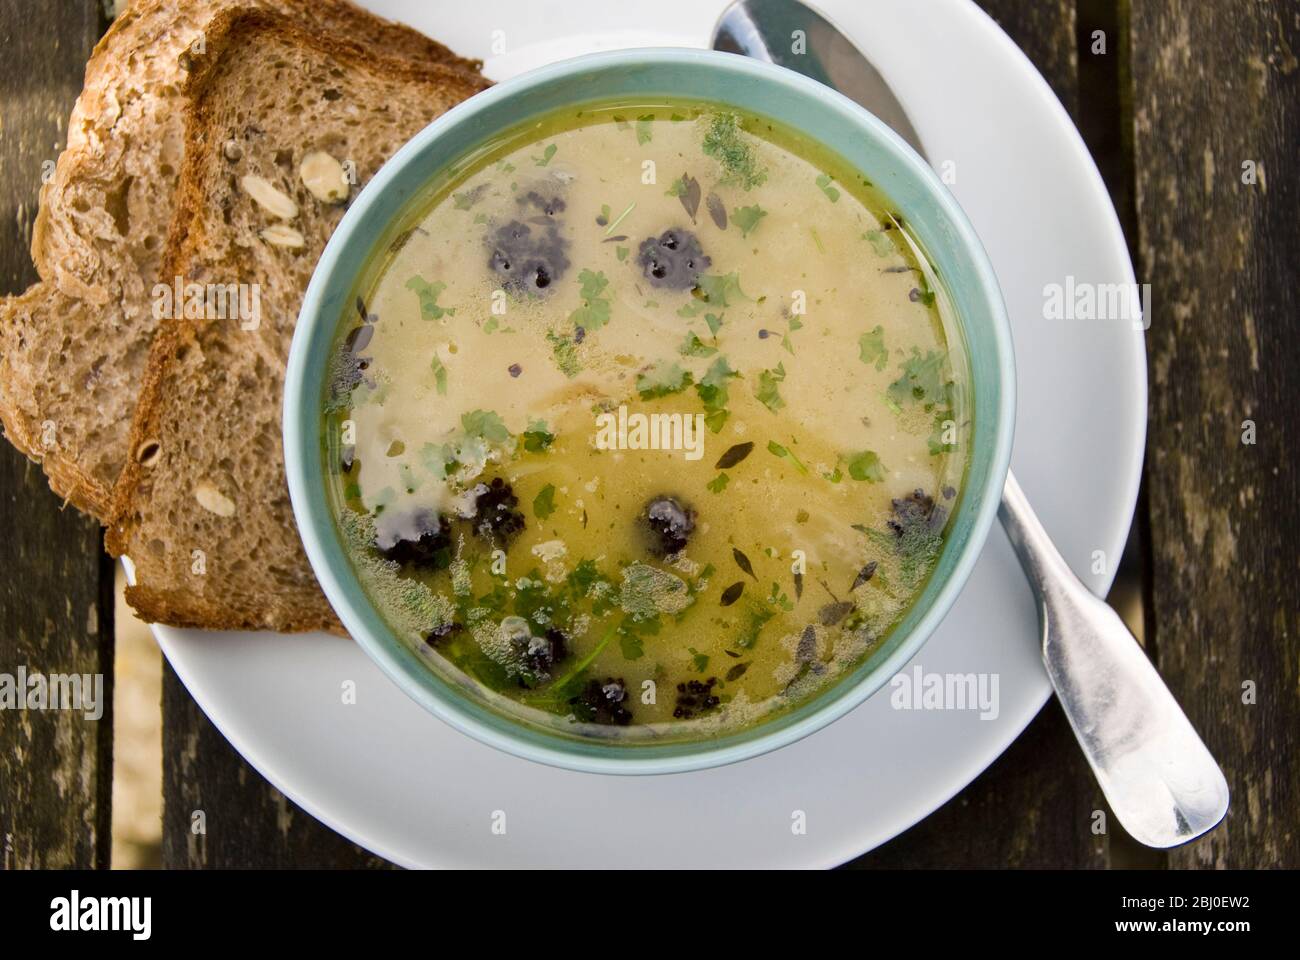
[[809, 109]]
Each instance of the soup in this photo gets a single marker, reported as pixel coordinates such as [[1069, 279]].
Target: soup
[[648, 422]]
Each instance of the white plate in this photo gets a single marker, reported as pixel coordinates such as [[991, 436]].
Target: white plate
[[399, 782]]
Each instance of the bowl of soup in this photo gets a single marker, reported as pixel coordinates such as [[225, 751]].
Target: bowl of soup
[[647, 412]]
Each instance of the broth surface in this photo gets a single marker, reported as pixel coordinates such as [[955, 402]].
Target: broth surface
[[647, 425]]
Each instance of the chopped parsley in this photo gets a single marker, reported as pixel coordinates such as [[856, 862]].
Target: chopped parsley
[[923, 294], [785, 453], [759, 615], [661, 380], [879, 242], [537, 438], [467, 198], [721, 291], [565, 354], [713, 393], [438, 459], [872, 349], [867, 466], [594, 312], [632, 633], [583, 577], [768, 388], [922, 381], [795, 324], [713, 291], [747, 218], [779, 598], [428, 293], [493, 324], [726, 143], [544, 502], [439, 375], [486, 425], [693, 346], [824, 185]]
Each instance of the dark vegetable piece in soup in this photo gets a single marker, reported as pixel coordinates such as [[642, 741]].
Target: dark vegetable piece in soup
[[418, 538], [671, 524], [496, 519], [673, 260], [528, 258]]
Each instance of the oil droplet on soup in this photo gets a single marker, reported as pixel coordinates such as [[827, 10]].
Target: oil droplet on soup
[[650, 425]]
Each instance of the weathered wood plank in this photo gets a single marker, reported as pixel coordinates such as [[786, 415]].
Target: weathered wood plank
[[56, 600], [1217, 90], [1046, 30], [218, 812]]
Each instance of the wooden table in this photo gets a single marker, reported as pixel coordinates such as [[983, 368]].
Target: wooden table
[[1185, 95]]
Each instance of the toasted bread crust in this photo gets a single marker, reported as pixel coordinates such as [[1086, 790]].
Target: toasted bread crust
[[300, 606], [22, 421], [179, 610], [29, 424]]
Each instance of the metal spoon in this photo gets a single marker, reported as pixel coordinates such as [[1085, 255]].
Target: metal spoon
[[1160, 780]]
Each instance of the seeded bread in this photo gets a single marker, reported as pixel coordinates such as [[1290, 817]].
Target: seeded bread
[[73, 347], [206, 485]]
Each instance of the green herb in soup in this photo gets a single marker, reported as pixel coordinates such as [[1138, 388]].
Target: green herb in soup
[[651, 426]]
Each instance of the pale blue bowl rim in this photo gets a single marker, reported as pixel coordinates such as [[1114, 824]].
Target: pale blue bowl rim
[[332, 285]]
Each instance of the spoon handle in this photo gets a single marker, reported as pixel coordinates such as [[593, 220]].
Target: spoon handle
[[1159, 778]]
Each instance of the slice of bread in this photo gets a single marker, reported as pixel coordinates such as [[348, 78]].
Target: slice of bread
[[202, 507], [74, 346]]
